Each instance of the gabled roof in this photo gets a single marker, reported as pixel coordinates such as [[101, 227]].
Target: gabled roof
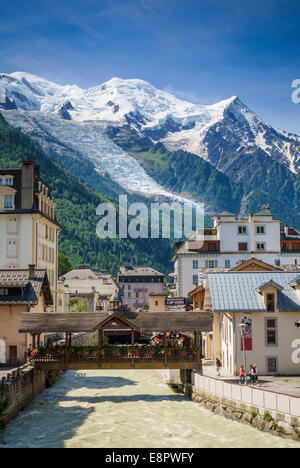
[[266, 285], [238, 292], [31, 287], [255, 262]]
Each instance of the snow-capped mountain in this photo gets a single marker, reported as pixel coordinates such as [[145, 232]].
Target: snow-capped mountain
[[216, 133]]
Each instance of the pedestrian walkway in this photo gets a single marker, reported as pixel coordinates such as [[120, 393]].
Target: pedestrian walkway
[[286, 385]]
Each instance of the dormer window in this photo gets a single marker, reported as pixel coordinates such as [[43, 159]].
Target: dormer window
[[270, 302], [9, 181]]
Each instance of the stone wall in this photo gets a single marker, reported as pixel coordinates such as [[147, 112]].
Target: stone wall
[[264, 419], [20, 387], [268, 421]]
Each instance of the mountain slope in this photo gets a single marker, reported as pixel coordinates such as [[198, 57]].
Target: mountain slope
[[103, 131], [212, 132], [183, 172], [76, 212]]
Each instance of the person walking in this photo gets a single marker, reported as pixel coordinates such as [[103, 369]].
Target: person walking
[[255, 374], [242, 376], [218, 366]]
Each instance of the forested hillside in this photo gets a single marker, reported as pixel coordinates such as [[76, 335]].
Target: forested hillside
[[76, 211]]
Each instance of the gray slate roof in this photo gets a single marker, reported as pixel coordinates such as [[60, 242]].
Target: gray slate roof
[[31, 287], [237, 292]]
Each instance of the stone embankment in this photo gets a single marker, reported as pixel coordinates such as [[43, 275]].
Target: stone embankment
[[264, 410], [19, 387]]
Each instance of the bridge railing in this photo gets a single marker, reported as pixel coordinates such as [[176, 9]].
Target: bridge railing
[[116, 354]]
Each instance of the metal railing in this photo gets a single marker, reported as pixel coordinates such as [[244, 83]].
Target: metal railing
[[265, 399]]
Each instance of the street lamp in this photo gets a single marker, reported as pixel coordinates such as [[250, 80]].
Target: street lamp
[[243, 327]]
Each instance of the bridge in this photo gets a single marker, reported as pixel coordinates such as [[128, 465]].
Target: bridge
[[131, 356]]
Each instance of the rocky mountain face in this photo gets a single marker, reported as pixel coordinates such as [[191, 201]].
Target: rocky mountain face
[[109, 126]]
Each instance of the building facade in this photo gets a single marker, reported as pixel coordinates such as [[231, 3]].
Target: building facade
[[20, 291], [269, 303], [231, 242], [137, 283], [28, 226], [93, 287]]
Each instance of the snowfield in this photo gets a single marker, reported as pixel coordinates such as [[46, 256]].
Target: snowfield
[[216, 132]]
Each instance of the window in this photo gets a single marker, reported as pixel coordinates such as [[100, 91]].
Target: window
[[271, 332], [277, 262], [156, 303], [9, 181], [195, 279], [211, 264], [242, 230], [12, 226], [195, 264], [12, 248], [272, 365], [3, 292], [243, 246], [260, 246], [270, 302], [1, 181], [260, 230], [227, 263], [8, 201]]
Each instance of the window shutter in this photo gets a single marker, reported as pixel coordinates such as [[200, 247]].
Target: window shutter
[[216, 263], [206, 263]]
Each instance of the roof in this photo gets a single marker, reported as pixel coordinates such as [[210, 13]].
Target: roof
[[138, 271], [225, 213], [266, 285], [85, 273], [31, 287], [238, 292], [87, 322], [254, 261]]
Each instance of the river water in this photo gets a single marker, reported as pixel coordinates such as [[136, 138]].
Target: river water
[[125, 409]]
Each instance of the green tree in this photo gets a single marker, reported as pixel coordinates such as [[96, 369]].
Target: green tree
[[64, 265], [77, 304]]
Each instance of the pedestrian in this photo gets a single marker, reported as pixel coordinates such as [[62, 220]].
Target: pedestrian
[[28, 354], [218, 366], [252, 374], [242, 376], [255, 371]]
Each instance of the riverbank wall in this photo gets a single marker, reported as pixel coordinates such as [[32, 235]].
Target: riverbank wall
[[264, 410], [19, 387]]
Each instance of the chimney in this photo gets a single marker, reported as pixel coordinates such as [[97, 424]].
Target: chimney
[[286, 231], [27, 185], [31, 273]]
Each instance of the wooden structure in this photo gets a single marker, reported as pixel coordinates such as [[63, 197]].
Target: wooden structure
[[136, 325]]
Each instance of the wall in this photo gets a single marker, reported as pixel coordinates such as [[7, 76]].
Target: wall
[[10, 319], [264, 410], [20, 387], [287, 334]]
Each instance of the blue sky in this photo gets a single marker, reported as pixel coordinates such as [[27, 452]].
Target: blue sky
[[201, 50]]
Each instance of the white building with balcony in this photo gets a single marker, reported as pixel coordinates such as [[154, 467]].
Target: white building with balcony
[[231, 242]]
